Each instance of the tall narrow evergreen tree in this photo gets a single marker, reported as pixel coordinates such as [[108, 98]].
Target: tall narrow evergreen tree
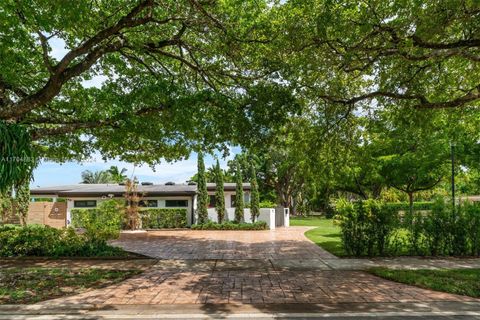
[[219, 194], [239, 205], [202, 206], [254, 194], [22, 200]]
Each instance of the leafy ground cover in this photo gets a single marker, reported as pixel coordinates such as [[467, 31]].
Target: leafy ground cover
[[326, 235], [44, 241], [458, 281], [31, 285]]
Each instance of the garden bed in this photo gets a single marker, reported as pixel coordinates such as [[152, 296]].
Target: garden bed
[[31, 285], [44, 241]]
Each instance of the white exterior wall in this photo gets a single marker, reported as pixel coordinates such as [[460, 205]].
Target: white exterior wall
[[266, 214]]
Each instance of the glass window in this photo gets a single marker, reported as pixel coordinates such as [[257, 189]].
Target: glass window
[[85, 203], [246, 199], [176, 203], [148, 203], [212, 202]]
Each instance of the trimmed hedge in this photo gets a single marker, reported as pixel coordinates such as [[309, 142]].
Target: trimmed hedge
[[258, 225], [44, 241], [405, 206], [158, 218], [371, 228]]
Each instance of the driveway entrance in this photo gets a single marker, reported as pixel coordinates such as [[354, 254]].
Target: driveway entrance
[[246, 267], [282, 243]]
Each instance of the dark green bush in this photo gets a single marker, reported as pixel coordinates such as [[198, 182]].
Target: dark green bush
[[101, 223], [373, 228], [44, 241], [366, 226], [405, 206], [164, 218], [447, 232], [470, 219], [210, 225]]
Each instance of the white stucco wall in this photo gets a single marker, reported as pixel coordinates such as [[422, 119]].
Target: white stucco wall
[[266, 214]]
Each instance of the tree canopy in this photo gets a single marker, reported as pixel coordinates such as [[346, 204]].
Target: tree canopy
[[326, 96]]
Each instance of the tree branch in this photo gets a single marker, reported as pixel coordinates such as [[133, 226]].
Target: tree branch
[[46, 58]]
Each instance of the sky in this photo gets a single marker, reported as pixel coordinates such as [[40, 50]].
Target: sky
[[55, 174]]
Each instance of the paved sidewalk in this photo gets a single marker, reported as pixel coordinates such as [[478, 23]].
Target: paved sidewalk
[[77, 263], [252, 282]]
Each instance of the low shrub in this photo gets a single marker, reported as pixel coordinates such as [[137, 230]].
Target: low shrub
[[405, 206], [44, 241], [267, 204], [101, 223], [367, 226], [164, 218], [210, 225], [374, 228]]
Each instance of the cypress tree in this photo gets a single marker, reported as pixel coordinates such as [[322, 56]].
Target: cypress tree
[[219, 194], [22, 199], [255, 196], [202, 206], [239, 205]]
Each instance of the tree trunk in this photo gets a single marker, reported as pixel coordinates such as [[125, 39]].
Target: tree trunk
[[410, 202]]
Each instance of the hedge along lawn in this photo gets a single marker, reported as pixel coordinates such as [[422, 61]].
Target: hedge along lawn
[[326, 235], [31, 285], [458, 281]]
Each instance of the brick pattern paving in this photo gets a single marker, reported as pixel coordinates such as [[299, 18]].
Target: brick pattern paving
[[256, 287], [282, 243], [259, 267]]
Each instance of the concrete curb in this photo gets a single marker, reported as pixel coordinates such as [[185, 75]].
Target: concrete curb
[[226, 311]]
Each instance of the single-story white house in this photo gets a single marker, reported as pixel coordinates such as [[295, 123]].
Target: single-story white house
[[167, 195]]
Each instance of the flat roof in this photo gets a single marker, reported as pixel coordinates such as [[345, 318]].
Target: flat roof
[[90, 190]]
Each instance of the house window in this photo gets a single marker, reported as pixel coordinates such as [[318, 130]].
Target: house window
[[85, 203], [246, 199], [148, 203], [212, 201], [176, 203]]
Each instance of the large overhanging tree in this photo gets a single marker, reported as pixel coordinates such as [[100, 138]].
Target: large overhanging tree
[[423, 54], [178, 74]]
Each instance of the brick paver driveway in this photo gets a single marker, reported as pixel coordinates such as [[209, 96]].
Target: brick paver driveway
[[283, 243], [249, 267]]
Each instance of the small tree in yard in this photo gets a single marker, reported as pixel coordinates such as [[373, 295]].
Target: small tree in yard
[[239, 205], [202, 209], [219, 193], [6, 206], [22, 200], [132, 200], [255, 195]]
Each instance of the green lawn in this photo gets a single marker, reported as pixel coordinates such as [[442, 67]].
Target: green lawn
[[327, 235], [31, 285], [459, 281]]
